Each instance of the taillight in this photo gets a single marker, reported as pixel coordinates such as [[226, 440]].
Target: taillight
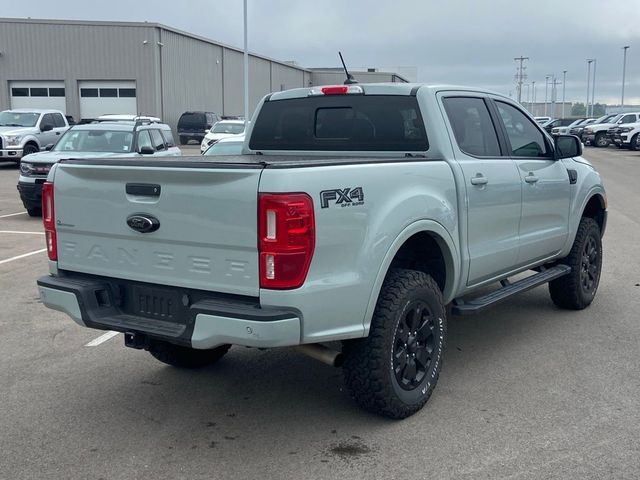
[[286, 239], [336, 90], [48, 219]]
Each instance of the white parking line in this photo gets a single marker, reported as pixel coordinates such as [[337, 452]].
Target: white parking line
[[18, 257], [12, 214], [102, 338], [26, 233]]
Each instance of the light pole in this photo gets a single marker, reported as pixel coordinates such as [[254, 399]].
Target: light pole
[[564, 85], [624, 71], [593, 87], [246, 68], [546, 92], [589, 60], [533, 95]]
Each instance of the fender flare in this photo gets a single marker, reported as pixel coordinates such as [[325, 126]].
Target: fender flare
[[451, 259]]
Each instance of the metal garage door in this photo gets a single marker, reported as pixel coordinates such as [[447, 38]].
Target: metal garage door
[[38, 95], [104, 97]]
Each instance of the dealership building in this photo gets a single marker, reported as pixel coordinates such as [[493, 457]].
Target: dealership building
[[88, 68]]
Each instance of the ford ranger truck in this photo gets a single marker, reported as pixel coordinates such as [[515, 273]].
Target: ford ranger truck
[[365, 214]]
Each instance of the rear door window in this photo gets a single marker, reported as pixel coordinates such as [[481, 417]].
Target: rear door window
[[341, 123], [157, 140], [144, 140], [472, 126], [59, 120]]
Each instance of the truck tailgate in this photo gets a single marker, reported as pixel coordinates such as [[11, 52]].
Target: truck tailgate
[[207, 235]]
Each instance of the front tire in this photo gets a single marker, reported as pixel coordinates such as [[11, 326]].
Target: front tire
[[601, 140], [185, 357], [577, 290], [34, 212], [394, 370], [634, 144], [29, 148]]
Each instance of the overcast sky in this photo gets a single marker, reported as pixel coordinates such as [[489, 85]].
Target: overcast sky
[[448, 41]]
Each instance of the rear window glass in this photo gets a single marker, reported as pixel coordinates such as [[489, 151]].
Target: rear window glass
[[197, 119], [341, 122]]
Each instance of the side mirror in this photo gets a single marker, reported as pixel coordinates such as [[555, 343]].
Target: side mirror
[[146, 150], [47, 127], [568, 146], [207, 131], [48, 147]]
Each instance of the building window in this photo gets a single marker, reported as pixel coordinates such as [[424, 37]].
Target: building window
[[127, 92], [20, 92], [39, 92], [88, 92], [109, 92], [56, 92]]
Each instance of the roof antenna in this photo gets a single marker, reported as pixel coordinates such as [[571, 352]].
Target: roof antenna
[[350, 80]]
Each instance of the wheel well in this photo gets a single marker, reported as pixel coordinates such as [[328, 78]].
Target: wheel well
[[422, 252], [595, 209], [32, 142]]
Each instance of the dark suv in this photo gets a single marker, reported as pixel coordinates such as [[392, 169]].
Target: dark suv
[[194, 125]]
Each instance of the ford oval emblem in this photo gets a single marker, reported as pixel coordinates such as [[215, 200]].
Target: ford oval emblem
[[143, 223]]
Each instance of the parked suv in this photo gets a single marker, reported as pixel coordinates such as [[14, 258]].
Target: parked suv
[[94, 140], [26, 131], [222, 129], [195, 125], [596, 134]]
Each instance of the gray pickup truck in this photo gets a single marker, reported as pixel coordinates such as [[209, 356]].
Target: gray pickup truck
[[24, 131], [365, 214]]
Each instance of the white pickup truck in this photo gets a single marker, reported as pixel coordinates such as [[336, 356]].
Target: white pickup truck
[[359, 213], [26, 131]]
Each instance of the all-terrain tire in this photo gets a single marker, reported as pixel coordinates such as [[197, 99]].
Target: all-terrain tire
[[576, 290], [373, 370], [185, 357]]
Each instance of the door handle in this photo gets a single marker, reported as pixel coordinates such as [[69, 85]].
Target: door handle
[[531, 178], [479, 179], [57, 133]]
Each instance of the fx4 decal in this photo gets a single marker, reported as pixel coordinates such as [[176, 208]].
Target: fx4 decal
[[345, 197]]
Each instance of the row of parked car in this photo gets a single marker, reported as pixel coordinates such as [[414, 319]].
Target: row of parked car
[[619, 129], [37, 139]]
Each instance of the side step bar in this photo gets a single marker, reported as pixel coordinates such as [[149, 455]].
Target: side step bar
[[476, 305]]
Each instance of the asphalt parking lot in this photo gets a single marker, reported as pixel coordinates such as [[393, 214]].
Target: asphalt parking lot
[[527, 390]]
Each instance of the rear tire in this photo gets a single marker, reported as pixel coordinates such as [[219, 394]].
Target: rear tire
[[601, 140], [577, 290], [184, 140], [185, 357], [394, 370], [34, 212]]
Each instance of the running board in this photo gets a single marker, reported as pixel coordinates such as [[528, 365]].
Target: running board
[[476, 305]]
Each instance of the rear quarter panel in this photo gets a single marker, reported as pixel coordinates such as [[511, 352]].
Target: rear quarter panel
[[355, 242]]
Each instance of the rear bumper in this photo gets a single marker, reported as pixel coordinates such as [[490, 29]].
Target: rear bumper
[[202, 320], [31, 194]]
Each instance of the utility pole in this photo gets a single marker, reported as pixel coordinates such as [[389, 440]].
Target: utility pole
[[520, 75], [564, 84], [593, 87], [624, 71], [586, 105]]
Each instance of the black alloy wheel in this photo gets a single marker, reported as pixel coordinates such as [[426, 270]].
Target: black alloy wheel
[[414, 345]]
